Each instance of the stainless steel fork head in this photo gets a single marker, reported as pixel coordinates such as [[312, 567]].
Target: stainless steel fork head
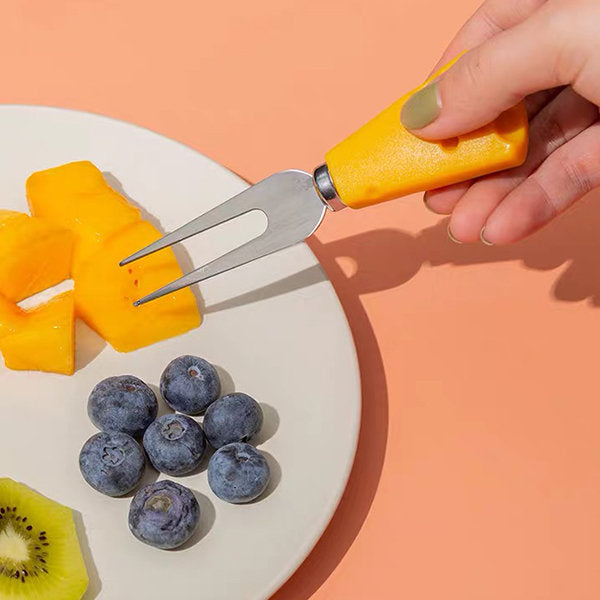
[[292, 205]]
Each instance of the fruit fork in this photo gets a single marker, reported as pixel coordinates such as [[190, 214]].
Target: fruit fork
[[380, 161]]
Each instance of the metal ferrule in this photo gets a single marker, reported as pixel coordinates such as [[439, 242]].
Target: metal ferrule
[[326, 189]]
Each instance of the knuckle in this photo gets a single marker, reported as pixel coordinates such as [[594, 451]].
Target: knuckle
[[564, 48], [579, 178], [546, 196], [490, 19], [467, 80], [473, 71], [463, 83]]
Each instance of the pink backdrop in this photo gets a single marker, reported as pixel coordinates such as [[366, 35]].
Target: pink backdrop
[[478, 471]]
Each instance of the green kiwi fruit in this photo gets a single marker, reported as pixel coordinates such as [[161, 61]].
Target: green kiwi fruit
[[40, 557]]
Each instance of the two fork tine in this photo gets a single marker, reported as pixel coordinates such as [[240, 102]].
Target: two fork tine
[[230, 209], [241, 255]]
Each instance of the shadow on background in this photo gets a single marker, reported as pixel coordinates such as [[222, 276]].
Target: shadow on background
[[388, 258], [385, 259], [366, 472], [573, 240]]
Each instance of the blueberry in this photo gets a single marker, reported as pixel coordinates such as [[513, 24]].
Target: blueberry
[[233, 418], [190, 384], [175, 444], [112, 462], [238, 473], [164, 514], [123, 403]]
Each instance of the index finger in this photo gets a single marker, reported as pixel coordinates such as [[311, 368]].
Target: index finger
[[492, 17]]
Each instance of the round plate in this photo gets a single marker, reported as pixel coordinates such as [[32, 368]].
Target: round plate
[[274, 328]]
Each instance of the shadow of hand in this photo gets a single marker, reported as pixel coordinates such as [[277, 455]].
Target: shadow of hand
[[387, 258]]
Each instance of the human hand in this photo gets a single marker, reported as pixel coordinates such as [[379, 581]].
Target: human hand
[[548, 53]]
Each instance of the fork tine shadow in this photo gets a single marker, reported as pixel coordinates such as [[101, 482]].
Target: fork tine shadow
[[302, 279]]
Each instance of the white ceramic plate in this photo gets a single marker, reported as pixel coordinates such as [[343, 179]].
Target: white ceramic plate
[[276, 330]]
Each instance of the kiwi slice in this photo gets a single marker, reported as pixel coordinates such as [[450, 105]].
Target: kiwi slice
[[40, 557]]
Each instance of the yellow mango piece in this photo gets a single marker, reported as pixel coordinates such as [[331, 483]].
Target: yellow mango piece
[[43, 338], [105, 292], [11, 317], [76, 196], [34, 255], [11, 217]]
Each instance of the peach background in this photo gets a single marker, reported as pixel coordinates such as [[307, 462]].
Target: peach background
[[478, 472]]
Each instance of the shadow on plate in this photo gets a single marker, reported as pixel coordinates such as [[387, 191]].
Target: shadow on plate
[[89, 345], [269, 427], [227, 383], [163, 407], [275, 479], [203, 463], [297, 281], [268, 430], [208, 516], [95, 585], [150, 476]]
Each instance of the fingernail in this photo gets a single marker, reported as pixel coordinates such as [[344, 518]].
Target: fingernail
[[422, 108], [482, 237], [452, 236], [425, 202]]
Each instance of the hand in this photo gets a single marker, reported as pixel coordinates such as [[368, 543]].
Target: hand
[[548, 53]]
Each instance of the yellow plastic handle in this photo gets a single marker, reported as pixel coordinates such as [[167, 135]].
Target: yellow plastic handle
[[383, 160]]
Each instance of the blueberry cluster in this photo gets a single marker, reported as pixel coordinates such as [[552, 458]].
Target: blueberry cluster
[[165, 514]]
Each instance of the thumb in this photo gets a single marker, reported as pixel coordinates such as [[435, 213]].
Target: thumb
[[489, 80]]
